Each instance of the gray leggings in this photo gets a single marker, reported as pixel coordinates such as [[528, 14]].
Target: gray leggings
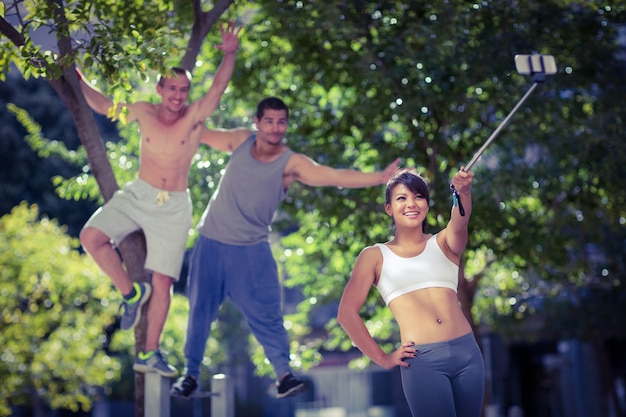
[[446, 379]]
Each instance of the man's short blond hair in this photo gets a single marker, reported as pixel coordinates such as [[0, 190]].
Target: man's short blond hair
[[174, 72]]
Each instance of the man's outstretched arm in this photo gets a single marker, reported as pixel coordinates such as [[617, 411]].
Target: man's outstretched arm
[[225, 140], [304, 169]]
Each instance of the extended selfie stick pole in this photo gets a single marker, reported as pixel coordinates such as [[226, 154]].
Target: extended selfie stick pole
[[496, 132], [538, 77]]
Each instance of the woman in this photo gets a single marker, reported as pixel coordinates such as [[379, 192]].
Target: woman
[[416, 273]]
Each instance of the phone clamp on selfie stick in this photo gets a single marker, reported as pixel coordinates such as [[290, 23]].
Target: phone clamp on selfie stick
[[538, 66]]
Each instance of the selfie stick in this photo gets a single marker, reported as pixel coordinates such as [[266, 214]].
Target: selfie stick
[[538, 66]]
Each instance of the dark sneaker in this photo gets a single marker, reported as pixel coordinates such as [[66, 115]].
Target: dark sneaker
[[184, 387], [153, 361], [132, 309], [289, 386]]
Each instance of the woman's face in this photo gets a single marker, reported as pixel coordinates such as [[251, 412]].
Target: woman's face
[[407, 209]]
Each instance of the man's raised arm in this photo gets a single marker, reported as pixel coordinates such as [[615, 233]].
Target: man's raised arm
[[96, 100], [230, 43]]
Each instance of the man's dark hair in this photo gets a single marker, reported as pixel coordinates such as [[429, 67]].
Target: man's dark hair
[[174, 71], [271, 103]]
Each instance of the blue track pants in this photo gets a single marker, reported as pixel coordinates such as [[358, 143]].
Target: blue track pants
[[248, 276]]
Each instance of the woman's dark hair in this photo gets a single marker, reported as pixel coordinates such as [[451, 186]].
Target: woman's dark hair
[[411, 180], [271, 103]]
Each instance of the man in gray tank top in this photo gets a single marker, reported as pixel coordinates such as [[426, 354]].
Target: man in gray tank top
[[232, 257]]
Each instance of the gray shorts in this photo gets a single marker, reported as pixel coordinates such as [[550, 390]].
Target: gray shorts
[[164, 217]]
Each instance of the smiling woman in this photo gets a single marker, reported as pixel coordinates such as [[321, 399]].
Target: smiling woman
[[416, 274]]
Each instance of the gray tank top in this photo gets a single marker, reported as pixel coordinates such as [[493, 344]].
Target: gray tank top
[[242, 207]]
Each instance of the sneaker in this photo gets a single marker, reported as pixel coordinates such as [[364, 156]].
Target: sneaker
[[132, 310], [153, 361], [289, 386], [184, 387]]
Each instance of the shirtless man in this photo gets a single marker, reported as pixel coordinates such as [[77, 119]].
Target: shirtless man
[[158, 200]]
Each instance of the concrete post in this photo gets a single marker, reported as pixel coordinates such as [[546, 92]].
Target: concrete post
[[156, 400], [223, 393]]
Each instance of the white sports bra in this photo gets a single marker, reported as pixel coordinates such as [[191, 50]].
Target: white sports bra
[[431, 268]]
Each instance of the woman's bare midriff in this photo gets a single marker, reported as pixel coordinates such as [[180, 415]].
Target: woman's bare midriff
[[429, 315]]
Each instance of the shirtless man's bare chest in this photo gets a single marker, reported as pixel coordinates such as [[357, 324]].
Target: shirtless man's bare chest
[[167, 148]]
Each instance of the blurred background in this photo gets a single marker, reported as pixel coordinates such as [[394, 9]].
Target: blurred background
[[366, 82]]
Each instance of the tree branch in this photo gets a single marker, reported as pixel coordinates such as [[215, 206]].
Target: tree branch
[[9, 31], [202, 24]]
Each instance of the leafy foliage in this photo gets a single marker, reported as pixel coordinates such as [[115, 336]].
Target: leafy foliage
[[34, 112], [56, 309]]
